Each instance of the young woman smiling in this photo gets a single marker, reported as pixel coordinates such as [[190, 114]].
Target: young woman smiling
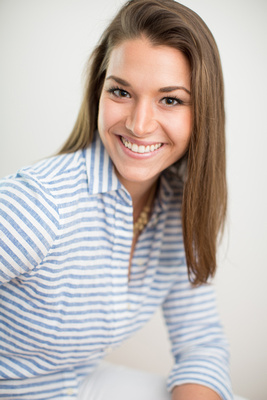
[[122, 221]]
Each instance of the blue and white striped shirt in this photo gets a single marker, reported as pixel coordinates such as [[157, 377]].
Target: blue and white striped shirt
[[65, 238]]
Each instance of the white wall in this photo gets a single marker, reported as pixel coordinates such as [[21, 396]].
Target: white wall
[[43, 48]]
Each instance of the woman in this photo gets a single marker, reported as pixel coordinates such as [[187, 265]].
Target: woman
[[124, 220]]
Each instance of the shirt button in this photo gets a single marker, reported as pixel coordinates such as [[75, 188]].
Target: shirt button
[[129, 306], [70, 391], [140, 262]]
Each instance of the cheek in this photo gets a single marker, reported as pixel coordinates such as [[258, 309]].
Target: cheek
[[180, 127], [101, 121], [188, 127], [187, 119], [109, 114]]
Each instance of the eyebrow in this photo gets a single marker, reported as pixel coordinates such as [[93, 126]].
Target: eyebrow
[[166, 89], [118, 80], [172, 88]]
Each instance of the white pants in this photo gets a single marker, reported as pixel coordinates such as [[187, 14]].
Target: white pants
[[114, 382]]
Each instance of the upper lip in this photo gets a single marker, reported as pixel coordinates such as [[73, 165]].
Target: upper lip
[[139, 142]]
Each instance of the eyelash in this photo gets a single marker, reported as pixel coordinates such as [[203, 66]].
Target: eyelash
[[179, 101], [113, 89]]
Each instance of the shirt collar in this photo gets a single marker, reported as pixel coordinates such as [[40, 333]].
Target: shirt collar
[[100, 170], [169, 182]]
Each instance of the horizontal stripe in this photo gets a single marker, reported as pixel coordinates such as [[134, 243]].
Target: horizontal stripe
[[65, 240]]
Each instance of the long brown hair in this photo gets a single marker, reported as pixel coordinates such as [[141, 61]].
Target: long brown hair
[[166, 22]]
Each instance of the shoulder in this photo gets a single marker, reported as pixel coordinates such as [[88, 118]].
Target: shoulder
[[31, 196], [52, 170], [43, 179], [29, 211]]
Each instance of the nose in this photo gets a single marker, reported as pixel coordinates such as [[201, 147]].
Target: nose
[[141, 119]]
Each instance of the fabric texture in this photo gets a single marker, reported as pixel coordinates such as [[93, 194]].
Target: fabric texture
[[65, 238]]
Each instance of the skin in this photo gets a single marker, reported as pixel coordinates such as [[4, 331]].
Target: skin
[[192, 391], [146, 100], [137, 103]]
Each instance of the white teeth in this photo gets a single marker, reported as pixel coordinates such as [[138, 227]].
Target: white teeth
[[134, 148], [140, 149]]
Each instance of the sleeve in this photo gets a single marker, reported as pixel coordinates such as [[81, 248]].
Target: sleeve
[[28, 225], [199, 346]]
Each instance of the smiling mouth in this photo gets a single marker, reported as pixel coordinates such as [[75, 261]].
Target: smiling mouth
[[140, 149]]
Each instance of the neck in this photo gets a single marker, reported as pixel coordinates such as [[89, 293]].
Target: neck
[[141, 195], [139, 192]]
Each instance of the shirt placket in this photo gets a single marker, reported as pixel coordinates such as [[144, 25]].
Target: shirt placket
[[122, 241]]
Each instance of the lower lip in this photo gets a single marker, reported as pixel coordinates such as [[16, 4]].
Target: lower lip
[[138, 155]]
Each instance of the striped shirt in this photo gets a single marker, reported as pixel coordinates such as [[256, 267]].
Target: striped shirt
[[66, 228]]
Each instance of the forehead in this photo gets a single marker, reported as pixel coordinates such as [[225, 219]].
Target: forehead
[[139, 59]]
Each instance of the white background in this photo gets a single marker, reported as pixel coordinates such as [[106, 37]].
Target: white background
[[43, 48]]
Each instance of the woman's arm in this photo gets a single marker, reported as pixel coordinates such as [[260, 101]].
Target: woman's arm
[[198, 343], [193, 391]]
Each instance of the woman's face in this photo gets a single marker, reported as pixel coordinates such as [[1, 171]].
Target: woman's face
[[145, 112]]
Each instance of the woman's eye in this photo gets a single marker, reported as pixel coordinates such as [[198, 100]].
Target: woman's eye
[[119, 92], [171, 101]]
